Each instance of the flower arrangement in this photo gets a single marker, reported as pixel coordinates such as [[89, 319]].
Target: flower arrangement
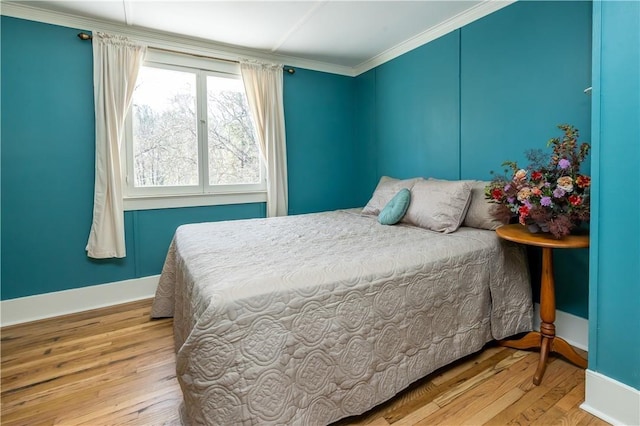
[[550, 195]]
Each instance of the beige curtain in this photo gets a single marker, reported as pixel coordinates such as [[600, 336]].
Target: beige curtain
[[263, 85], [116, 62]]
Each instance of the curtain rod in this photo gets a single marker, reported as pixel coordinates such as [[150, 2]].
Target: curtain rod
[[85, 36]]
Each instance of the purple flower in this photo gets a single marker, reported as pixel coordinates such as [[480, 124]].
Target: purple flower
[[507, 187], [545, 201], [527, 203], [558, 192], [511, 200], [547, 184], [564, 163]]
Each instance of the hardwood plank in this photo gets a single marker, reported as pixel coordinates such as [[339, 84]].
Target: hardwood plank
[[466, 405], [100, 360], [567, 410], [495, 407], [466, 387], [455, 370], [123, 355], [556, 374], [115, 366], [424, 391], [593, 420], [537, 412], [380, 421], [572, 399], [418, 415]]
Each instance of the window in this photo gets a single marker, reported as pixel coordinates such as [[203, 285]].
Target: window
[[190, 138]]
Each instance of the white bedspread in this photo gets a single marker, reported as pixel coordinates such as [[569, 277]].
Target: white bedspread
[[308, 319]]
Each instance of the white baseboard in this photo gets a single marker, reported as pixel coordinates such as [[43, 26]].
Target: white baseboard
[[31, 308], [573, 329], [612, 401]]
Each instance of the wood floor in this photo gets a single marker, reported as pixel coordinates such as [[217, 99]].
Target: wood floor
[[116, 366]]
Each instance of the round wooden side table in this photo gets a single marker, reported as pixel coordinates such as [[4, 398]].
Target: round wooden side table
[[546, 338]]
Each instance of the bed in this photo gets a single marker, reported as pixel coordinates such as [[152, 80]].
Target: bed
[[312, 318]]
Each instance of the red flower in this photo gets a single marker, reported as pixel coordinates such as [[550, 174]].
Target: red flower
[[575, 200], [536, 175], [496, 193], [524, 212], [583, 181]]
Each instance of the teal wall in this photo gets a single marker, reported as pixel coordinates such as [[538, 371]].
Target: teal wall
[[418, 111], [47, 169], [524, 70], [365, 134], [321, 144], [461, 105], [614, 314]]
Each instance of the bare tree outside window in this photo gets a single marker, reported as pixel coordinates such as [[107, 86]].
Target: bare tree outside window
[[165, 131], [165, 149], [233, 151]]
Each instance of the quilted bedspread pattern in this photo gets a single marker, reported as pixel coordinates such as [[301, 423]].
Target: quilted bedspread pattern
[[308, 319]]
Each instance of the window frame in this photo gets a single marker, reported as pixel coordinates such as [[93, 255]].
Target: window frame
[[202, 194]]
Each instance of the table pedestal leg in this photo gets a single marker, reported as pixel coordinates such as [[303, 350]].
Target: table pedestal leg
[[546, 339]]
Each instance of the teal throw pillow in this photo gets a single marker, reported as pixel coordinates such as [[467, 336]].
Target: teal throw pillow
[[396, 208]]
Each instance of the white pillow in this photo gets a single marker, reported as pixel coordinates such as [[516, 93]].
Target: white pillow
[[480, 209], [438, 205], [387, 188]]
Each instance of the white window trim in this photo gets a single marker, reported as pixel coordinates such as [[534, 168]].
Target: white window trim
[[202, 194], [196, 200]]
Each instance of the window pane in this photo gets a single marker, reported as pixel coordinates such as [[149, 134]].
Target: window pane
[[233, 152], [165, 136]]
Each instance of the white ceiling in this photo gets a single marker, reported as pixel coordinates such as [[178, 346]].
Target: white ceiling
[[353, 35]]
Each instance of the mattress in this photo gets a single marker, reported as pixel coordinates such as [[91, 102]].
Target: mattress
[[311, 318]]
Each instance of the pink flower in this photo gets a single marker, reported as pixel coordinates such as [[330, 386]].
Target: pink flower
[[524, 193], [566, 183], [520, 175]]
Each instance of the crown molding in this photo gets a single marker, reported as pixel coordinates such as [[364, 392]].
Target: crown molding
[[165, 40], [481, 10]]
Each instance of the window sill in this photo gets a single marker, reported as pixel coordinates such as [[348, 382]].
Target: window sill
[[197, 200]]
